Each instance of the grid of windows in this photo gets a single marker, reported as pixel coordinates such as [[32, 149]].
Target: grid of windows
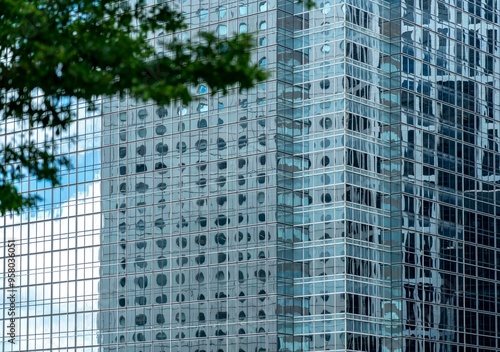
[[189, 255], [56, 249], [348, 203], [449, 152]]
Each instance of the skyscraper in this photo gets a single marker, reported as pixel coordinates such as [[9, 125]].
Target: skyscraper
[[348, 203]]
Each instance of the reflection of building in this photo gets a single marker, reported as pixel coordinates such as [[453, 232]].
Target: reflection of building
[[348, 203]]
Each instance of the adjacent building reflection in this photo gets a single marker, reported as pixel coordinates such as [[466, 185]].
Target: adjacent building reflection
[[348, 203]]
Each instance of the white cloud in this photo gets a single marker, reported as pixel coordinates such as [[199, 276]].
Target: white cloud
[[64, 250]]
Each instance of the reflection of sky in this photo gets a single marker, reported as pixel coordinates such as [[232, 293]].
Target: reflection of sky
[[80, 143], [84, 175], [85, 164], [58, 259], [56, 299], [88, 170]]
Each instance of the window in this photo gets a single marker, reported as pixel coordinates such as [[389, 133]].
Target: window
[[222, 30]]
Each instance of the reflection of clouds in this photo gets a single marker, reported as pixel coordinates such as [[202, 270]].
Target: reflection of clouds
[[82, 136], [61, 274], [57, 244]]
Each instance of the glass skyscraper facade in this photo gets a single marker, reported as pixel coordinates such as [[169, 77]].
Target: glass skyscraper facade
[[347, 203]]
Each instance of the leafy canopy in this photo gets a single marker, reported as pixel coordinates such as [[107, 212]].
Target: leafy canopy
[[52, 50]]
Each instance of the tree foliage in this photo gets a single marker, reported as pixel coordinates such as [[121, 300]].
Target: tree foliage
[[52, 50]]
